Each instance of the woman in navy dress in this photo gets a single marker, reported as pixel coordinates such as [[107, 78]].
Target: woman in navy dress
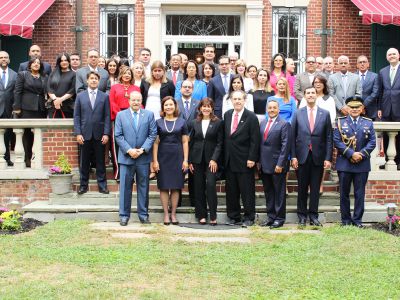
[[170, 156]]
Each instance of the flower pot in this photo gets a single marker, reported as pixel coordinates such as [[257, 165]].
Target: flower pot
[[60, 183]]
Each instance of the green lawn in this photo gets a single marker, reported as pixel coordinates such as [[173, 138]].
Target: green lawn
[[69, 260]]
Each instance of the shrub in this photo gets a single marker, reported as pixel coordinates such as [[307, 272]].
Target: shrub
[[61, 166], [10, 220]]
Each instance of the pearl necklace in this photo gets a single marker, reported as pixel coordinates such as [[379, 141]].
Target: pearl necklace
[[166, 128]]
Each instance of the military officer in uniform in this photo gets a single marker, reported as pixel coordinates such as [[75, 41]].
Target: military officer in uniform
[[354, 137]]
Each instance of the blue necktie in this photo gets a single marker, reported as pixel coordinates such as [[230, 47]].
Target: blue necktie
[[362, 79], [187, 109], [226, 85], [92, 98], [3, 78], [135, 120]]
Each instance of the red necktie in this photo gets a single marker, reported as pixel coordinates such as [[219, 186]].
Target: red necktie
[[267, 129], [235, 123], [174, 77]]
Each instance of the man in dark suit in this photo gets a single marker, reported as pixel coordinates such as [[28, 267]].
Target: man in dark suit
[[369, 85], [174, 73], [354, 137], [242, 144], [274, 164], [92, 127], [135, 133], [311, 153], [389, 97], [35, 52], [219, 85], [81, 74], [7, 83]]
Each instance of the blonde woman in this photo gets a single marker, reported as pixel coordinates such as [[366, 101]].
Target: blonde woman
[[138, 73], [240, 68]]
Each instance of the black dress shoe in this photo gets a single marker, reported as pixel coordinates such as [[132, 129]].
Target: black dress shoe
[[104, 191], [82, 190], [123, 221], [247, 223], [359, 225], [145, 221], [267, 223], [10, 163], [276, 224], [315, 222], [213, 223], [233, 222], [302, 222]]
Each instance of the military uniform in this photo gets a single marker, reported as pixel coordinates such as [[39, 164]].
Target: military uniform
[[353, 135]]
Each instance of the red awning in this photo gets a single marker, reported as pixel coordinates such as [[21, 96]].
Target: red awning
[[17, 16], [383, 12]]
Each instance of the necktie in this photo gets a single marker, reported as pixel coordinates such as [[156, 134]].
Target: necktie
[[235, 123], [392, 74], [226, 85], [3, 78], [344, 80], [311, 120], [92, 98], [187, 109], [362, 79], [267, 129], [355, 122], [174, 77], [135, 120]]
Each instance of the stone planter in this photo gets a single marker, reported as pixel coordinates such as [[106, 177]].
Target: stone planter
[[60, 183]]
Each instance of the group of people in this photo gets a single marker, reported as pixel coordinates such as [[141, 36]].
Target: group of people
[[210, 121]]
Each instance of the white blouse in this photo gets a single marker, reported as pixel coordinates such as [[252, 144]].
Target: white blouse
[[204, 126]]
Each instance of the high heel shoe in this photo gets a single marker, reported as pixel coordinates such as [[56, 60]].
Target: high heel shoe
[[213, 223], [202, 221], [167, 223], [152, 176]]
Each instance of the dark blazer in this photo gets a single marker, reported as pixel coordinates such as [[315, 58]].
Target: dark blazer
[[24, 67], [274, 151], [92, 123], [7, 95], [320, 139], [192, 112], [81, 80], [26, 95], [370, 91], [166, 89], [389, 99], [244, 143], [178, 78], [216, 91], [208, 147]]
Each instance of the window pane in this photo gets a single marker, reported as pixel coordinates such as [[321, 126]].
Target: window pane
[[294, 26], [123, 46], [283, 26], [111, 45], [282, 46], [123, 24], [293, 49], [112, 24]]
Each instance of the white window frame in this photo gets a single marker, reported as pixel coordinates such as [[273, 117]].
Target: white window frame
[[302, 32], [108, 9]]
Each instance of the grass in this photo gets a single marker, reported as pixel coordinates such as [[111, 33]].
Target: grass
[[69, 260]]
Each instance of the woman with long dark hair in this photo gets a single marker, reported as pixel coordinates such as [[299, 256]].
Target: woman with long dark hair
[[191, 73], [206, 140], [236, 84], [261, 92], [61, 89], [207, 72], [112, 67]]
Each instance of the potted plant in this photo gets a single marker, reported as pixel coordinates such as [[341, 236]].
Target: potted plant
[[60, 176]]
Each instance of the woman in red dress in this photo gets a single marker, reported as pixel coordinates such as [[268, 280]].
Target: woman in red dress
[[119, 100]]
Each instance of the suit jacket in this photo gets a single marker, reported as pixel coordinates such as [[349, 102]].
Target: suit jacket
[[7, 95], [320, 139], [81, 80], [216, 91], [24, 67], [370, 90], [128, 138], [244, 143], [365, 143], [209, 146], [389, 99], [178, 78], [92, 123], [339, 92], [26, 95], [166, 89], [275, 150], [192, 112], [302, 82]]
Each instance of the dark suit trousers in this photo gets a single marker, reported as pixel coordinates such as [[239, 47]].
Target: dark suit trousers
[[89, 148], [240, 184], [205, 191], [7, 139], [359, 181], [308, 175], [275, 195]]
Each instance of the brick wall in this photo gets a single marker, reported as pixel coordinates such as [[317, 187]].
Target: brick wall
[[139, 27], [381, 191]]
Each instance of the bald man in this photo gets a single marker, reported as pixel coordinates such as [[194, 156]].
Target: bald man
[[35, 52]]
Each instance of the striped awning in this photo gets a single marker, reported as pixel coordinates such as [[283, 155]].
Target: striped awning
[[18, 16], [382, 12]]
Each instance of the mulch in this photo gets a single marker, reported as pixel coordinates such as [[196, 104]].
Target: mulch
[[385, 228], [27, 225]]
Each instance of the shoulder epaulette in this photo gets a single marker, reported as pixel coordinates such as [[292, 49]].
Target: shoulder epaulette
[[366, 118], [342, 117]]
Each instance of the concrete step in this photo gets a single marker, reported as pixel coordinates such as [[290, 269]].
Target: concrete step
[[95, 198], [44, 211]]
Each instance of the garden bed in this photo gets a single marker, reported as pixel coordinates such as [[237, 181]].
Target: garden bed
[[27, 225], [385, 228]]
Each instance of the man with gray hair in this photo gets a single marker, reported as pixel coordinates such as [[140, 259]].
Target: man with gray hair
[[344, 84], [306, 78], [233, 57], [320, 64], [329, 66]]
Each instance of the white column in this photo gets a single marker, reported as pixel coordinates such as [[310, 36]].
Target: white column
[[3, 164], [19, 150], [253, 33], [391, 152], [152, 28], [37, 150], [374, 154]]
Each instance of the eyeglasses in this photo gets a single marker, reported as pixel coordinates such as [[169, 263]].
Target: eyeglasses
[[232, 60], [311, 62], [362, 62], [186, 86]]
